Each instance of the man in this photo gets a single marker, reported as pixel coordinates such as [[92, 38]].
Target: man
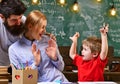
[[11, 26], [11, 22]]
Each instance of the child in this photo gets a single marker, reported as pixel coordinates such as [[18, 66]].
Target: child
[[44, 56], [93, 60]]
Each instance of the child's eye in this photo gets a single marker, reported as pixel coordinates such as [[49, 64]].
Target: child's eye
[[84, 49]]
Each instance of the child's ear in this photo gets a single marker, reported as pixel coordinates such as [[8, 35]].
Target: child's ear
[[95, 54]]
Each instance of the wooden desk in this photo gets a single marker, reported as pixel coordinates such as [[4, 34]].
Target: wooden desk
[[110, 82], [56, 83], [112, 76], [109, 76], [3, 81], [5, 76]]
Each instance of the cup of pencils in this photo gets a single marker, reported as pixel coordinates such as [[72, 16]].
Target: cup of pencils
[[24, 76]]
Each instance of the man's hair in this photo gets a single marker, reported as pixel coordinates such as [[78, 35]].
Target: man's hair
[[94, 43], [12, 7]]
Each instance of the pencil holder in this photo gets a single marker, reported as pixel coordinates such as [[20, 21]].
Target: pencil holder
[[24, 76]]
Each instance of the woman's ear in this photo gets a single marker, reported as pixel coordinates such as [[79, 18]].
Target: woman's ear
[[29, 26], [95, 54]]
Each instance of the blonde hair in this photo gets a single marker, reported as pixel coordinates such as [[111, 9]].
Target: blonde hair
[[94, 43], [35, 18]]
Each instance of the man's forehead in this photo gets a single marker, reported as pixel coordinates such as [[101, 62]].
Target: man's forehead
[[15, 16]]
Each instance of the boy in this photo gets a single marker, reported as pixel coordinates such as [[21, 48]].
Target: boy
[[93, 60]]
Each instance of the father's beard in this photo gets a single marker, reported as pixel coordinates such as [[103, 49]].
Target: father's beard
[[15, 30]]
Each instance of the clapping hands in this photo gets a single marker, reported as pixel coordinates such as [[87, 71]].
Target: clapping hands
[[36, 54], [51, 50]]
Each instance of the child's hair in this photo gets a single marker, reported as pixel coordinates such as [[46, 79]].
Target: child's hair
[[94, 43], [35, 18]]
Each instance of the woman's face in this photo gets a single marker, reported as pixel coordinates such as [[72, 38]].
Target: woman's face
[[38, 30]]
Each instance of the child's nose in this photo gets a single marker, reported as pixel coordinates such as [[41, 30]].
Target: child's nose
[[82, 51]]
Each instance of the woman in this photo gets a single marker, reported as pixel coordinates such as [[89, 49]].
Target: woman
[[44, 56]]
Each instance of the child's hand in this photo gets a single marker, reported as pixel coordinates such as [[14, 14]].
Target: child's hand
[[36, 54], [75, 36], [104, 29]]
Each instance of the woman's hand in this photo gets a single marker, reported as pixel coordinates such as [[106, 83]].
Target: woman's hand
[[36, 54], [51, 50]]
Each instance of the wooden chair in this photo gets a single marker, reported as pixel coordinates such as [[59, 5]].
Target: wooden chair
[[71, 76]]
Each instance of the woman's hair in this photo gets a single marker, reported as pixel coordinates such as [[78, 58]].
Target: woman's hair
[[12, 7], [34, 18], [94, 43]]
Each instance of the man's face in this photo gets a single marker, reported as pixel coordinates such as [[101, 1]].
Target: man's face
[[14, 24]]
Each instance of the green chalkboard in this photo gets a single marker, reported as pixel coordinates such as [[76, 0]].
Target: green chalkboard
[[63, 23]]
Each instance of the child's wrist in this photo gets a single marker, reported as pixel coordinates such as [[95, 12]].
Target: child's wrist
[[104, 34]]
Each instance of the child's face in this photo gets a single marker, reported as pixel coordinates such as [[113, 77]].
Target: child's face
[[86, 53], [39, 30]]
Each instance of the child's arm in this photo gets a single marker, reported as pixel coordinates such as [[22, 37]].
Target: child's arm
[[104, 46], [74, 45]]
